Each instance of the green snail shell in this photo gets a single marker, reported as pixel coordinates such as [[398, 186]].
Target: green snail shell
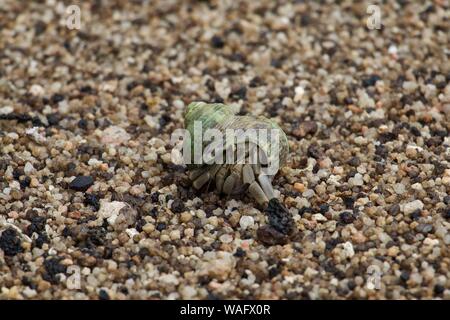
[[220, 116]]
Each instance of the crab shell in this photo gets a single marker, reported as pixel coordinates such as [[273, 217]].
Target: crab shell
[[233, 178]]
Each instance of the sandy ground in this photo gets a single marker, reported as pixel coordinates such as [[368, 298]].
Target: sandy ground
[[91, 206]]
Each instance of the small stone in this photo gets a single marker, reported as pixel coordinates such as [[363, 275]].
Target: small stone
[[305, 128], [185, 217], [300, 187], [357, 180], [219, 266], [424, 228], [103, 295], [226, 238], [319, 217], [6, 110], [399, 188], [148, 228], [118, 214], [394, 209], [346, 217], [270, 236], [217, 42], [246, 222], [393, 251], [188, 292], [348, 249], [10, 242], [28, 168], [299, 92], [412, 206], [37, 90], [81, 183], [114, 136], [175, 235], [370, 80], [178, 206]]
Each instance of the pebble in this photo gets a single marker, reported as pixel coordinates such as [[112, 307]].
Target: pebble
[[412, 206], [118, 214], [357, 180], [246, 222], [114, 136], [81, 183], [348, 249], [300, 187], [28, 168], [6, 110], [219, 267], [226, 238]]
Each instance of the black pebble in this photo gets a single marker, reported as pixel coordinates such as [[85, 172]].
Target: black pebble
[[447, 213], [91, 199], [324, 208], [103, 295], [273, 272], [438, 289], [240, 253], [279, 217], [81, 183], [52, 268], [24, 182], [394, 209], [53, 119], [354, 161], [349, 202], [447, 199], [39, 27], [370, 80], [346, 217], [178, 206], [217, 42], [86, 89], [153, 212], [416, 214], [404, 276], [415, 131], [160, 226], [57, 98], [155, 197], [10, 242], [82, 124]]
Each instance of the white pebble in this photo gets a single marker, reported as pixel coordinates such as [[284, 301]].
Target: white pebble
[[246, 222], [226, 238], [28, 168], [6, 110], [348, 249], [37, 90], [399, 188], [412, 206]]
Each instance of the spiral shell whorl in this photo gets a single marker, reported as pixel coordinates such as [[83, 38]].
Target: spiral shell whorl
[[222, 117]]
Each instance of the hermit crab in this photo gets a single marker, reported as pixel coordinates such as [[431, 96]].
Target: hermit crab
[[245, 162]]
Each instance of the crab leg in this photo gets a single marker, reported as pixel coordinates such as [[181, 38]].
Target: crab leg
[[201, 180], [257, 193], [247, 174], [233, 179], [266, 185], [220, 177]]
